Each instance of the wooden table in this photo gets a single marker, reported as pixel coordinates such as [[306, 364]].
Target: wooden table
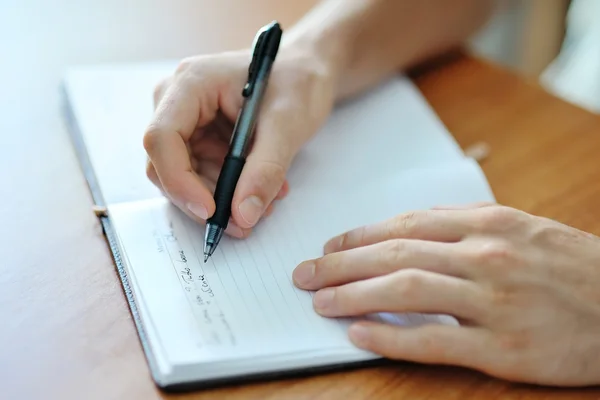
[[65, 329]]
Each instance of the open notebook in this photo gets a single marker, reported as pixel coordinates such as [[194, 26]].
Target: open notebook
[[239, 316]]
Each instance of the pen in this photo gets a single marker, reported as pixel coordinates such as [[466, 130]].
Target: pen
[[265, 47]]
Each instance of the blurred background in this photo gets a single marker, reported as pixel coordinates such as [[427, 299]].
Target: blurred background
[[555, 41]]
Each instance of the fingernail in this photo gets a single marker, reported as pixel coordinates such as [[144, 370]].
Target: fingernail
[[304, 273], [251, 209], [359, 334], [198, 210], [323, 298], [334, 244]]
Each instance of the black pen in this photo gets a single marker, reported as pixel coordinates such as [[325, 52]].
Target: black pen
[[266, 45]]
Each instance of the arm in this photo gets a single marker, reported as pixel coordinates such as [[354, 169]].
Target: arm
[[339, 48], [364, 41]]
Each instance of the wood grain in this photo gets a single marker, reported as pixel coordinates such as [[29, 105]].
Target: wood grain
[[65, 330]]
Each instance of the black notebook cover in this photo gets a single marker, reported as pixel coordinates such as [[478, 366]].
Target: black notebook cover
[[108, 230]]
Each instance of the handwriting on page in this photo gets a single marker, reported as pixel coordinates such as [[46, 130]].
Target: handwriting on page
[[243, 297], [212, 322], [243, 300]]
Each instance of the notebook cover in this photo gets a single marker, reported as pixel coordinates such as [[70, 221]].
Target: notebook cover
[[108, 230]]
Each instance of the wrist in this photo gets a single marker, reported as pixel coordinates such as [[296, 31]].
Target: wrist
[[326, 47]]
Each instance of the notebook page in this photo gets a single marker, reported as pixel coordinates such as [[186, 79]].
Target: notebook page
[[112, 106], [242, 304]]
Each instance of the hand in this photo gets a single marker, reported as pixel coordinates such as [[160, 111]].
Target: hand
[[525, 289], [196, 108]]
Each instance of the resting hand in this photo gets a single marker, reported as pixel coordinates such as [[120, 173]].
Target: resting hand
[[525, 289], [196, 108]]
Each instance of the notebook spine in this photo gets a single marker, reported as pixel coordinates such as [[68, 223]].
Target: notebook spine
[[102, 213]]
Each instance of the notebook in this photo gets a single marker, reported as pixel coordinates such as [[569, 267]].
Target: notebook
[[239, 317]]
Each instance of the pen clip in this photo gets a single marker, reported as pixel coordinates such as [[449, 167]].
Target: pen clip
[[258, 54]]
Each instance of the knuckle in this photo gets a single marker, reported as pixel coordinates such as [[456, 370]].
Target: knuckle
[[203, 69], [281, 110], [515, 341], [184, 65], [393, 252], [492, 217], [195, 72], [151, 138], [433, 348], [274, 171], [353, 238], [173, 188], [326, 264], [547, 232], [313, 75], [496, 252], [501, 297], [158, 91], [269, 174], [402, 225], [186, 82], [150, 171], [348, 301], [409, 283], [344, 240], [498, 218]]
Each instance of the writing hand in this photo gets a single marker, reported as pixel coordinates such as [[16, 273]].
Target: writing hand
[[196, 108], [525, 289]]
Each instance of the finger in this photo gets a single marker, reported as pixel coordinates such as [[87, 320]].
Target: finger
[[174, 121], [222, 123], [159, 90], [152, 175], [265, 170], [209, 173], [203, 132], [269, 209], [378, 259], [235, 231], [208, 148], [209, 170], [434, 225], [469, 206], [467, 347], [285, 189], [209, 183], [403, 291], [232, 229]]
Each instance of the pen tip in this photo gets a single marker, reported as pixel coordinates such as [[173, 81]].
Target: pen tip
[[206, 258]]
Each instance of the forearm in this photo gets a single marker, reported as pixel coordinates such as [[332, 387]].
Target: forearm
[[364, 41]]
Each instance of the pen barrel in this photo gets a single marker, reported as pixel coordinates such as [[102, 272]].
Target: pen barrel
[[245, 125], [226, 184]]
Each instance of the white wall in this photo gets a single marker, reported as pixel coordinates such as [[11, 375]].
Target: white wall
[[499, 39], [575, 74]]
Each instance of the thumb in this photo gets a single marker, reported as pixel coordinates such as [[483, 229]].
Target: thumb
[[264, 173]]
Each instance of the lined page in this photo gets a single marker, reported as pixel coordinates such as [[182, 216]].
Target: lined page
[[242, 303]]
